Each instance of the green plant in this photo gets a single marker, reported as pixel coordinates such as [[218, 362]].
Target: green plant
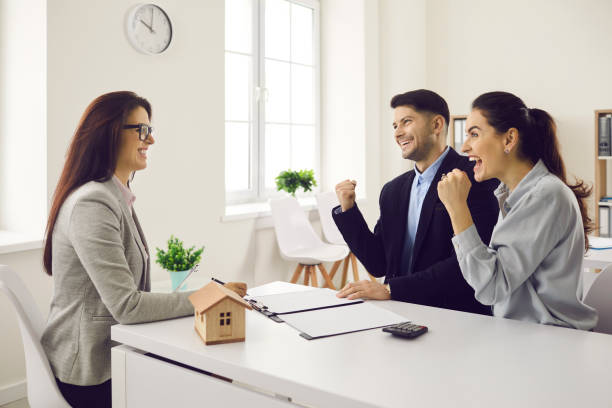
[[290, 181], [178, 258]]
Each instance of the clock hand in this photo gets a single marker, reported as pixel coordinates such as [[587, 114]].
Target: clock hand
[[152, 18], [146, 25]]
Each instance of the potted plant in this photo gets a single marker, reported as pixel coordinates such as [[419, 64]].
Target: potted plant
[[290, 181], [177, 260]]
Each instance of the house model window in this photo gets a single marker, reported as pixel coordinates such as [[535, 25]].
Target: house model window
[[223, 321]]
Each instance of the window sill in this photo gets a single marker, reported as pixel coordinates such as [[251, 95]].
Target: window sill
[[262, 215], [16, 242]]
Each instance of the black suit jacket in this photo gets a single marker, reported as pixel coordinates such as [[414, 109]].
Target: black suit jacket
[[436, 279]]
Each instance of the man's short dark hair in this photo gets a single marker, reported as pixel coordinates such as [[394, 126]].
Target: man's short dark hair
[[423, 100]]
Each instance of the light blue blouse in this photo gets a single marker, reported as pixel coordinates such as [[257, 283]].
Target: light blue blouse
[[532, 269]]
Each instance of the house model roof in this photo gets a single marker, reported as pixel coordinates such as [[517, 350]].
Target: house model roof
[[211, 294]]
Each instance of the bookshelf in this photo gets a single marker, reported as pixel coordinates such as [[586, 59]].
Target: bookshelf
[[601, 164], [456, 131]]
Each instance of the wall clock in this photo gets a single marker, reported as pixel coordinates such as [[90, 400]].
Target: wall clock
[[148, 28]]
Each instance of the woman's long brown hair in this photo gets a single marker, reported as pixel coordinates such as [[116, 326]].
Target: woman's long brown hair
[[93, 152], [538, 140]]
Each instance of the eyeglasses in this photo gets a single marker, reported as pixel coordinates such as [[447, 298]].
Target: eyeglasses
[[144, 131]]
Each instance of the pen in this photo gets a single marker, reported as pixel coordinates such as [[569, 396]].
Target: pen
[[223, 283], [218, 281]]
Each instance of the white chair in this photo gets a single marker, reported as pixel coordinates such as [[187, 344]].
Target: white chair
[[298, 242], [326, 202], [42, 388], [599, 297]]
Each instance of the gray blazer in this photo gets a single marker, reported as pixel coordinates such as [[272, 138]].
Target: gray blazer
[[101, 265]]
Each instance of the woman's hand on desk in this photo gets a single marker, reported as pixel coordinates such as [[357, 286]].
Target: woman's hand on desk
[[364, 289], [239, 287]]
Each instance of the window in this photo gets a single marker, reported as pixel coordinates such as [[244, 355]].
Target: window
[[271, 94], [23, 124]]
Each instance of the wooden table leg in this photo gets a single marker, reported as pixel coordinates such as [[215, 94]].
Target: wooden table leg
[[328, 282], [345, 269], [307, 275], [296, 274], [354, 263], [313, 276], [335, 268]]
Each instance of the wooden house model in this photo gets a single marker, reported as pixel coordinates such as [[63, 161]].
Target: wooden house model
[[219, 314]]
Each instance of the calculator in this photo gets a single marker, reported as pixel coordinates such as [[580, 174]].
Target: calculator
[[407, 329]]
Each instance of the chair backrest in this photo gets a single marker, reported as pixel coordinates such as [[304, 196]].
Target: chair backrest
[[599, 297], [326, 202], [293, 230], [42, 388]]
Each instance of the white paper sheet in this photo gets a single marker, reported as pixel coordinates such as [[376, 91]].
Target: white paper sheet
[[339, 320], [274, 288], [303, 300]]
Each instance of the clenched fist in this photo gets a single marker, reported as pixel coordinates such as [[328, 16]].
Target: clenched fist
[[453, 189], [345, 190]]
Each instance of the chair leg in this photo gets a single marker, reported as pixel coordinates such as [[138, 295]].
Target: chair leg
[[297, 272], [307, 275], [345, 269], [334, 268], [328, 282], [313, 276], [373, 279], [354, 263]]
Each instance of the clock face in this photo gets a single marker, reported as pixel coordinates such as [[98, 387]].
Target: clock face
[[149, 29]]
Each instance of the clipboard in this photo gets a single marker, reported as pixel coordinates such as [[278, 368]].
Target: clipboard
[[277, 305], [328, 322]]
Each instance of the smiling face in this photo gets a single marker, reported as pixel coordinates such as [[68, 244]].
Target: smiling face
[[133, 151], [414, 133], [485, 146]]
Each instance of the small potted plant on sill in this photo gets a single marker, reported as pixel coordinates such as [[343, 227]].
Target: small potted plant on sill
[[177, 260], [290, 181]]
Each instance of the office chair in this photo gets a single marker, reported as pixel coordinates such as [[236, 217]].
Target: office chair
[[298, 242], [42, 388], [326, 202], [598, 297]]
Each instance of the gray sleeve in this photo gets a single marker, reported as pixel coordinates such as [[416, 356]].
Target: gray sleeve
[[94, 231], [520, 242]]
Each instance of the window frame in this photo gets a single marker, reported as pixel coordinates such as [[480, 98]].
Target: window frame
[[257, 191]]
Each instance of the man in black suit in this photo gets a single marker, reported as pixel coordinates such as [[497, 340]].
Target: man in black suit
[[411, 245]]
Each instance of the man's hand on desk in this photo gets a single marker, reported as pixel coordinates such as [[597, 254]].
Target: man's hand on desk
[[364, 289], [239, 287]]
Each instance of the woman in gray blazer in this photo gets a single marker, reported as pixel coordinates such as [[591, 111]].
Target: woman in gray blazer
[[96, 250], [532, 268]]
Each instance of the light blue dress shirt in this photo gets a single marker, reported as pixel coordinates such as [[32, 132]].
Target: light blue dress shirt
[[420, 186], [532, 269]]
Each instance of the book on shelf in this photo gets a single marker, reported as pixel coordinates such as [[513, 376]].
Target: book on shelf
[[604, 221], [605, 135]]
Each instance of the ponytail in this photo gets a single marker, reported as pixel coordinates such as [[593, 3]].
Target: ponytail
[[538, 141]]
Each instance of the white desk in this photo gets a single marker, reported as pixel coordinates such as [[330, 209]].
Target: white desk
[[465, 360], [597, 259]]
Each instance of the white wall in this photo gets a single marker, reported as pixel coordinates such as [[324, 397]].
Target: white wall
[[553, 54], [343, 93], [402, 68]]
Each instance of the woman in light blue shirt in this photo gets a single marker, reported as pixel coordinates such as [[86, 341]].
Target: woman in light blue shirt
[[532, 268]]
